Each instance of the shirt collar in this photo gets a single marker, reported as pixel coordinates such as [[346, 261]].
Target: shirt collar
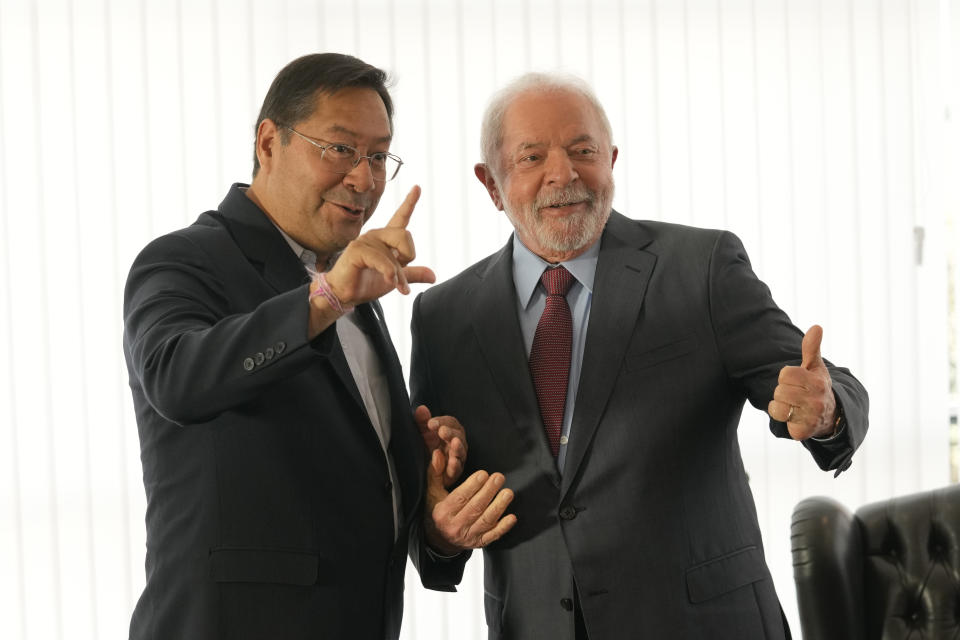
[[306, 256], [528, 267]]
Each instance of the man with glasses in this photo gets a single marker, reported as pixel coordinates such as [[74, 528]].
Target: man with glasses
[[282, 464]]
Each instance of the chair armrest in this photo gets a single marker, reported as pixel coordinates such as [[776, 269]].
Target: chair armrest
[[827, 570]]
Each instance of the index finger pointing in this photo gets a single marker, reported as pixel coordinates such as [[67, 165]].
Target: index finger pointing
[[401, 218]]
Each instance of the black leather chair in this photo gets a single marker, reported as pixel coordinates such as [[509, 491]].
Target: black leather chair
[[891, 571]]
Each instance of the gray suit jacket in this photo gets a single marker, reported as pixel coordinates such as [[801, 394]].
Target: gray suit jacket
[[653, 518]]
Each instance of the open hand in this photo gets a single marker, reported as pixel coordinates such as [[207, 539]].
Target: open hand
[[447, 434], [470, 516]]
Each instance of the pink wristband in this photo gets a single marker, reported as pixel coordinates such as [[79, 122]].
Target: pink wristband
[[323, 289]]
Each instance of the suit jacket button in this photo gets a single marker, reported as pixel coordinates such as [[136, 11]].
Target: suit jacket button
[[269, 353], [248, 364], [568, 512], [567, 604], [280, 346], [259, 358]]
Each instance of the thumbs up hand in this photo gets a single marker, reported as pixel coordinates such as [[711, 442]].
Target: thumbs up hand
[[804, 395]]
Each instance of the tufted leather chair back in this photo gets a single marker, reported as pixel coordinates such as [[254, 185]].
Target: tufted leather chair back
[[891, 571]]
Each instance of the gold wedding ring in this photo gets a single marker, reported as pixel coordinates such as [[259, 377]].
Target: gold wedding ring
[[790, 413]]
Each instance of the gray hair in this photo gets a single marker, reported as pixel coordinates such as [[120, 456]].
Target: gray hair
[[491, 131]]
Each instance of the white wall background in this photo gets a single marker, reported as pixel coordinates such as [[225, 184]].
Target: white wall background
[[820, 131]]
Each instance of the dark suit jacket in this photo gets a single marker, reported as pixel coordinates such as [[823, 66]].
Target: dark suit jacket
[[269, 508], [653, 516]]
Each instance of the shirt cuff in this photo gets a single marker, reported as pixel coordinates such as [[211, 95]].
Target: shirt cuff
[[839, 426], [439, 557]]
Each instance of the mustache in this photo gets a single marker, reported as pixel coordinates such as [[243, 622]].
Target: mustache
[[352, 200], [567, 195]]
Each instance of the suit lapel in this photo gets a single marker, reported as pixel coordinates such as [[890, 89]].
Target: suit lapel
[[261, 242], [370, 316], [498, 333], [623, 272], [408, 455]]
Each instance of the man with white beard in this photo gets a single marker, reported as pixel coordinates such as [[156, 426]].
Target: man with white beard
[[600, 365]]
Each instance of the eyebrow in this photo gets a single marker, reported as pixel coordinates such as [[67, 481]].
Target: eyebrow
[[350, 132], [523, 146], [582, 138]]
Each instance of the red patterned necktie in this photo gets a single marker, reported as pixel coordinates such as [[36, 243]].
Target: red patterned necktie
[[550, 353]]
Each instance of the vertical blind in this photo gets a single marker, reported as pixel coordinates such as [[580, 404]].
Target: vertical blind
[[820, 131]]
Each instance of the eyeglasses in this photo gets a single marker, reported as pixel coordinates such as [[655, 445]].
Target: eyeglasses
[[341, 158]]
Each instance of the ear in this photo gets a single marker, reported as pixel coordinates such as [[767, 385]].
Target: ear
[[485, 176], [268, 138], [613, 160]]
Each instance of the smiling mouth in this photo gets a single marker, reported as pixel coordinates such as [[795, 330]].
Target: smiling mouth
[[561, 205]]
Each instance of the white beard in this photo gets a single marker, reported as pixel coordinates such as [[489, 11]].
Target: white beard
[[570, 233]]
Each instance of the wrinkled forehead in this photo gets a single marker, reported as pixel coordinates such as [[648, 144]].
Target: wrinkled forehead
[[551, 116], [351, 114]]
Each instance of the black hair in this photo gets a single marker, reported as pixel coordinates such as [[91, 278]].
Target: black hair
[[292, 95]]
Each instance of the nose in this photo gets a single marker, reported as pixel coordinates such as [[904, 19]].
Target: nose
[[360, 178], [559, 169]]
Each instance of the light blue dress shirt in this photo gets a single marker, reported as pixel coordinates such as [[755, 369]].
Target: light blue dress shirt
[[531, 299]]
